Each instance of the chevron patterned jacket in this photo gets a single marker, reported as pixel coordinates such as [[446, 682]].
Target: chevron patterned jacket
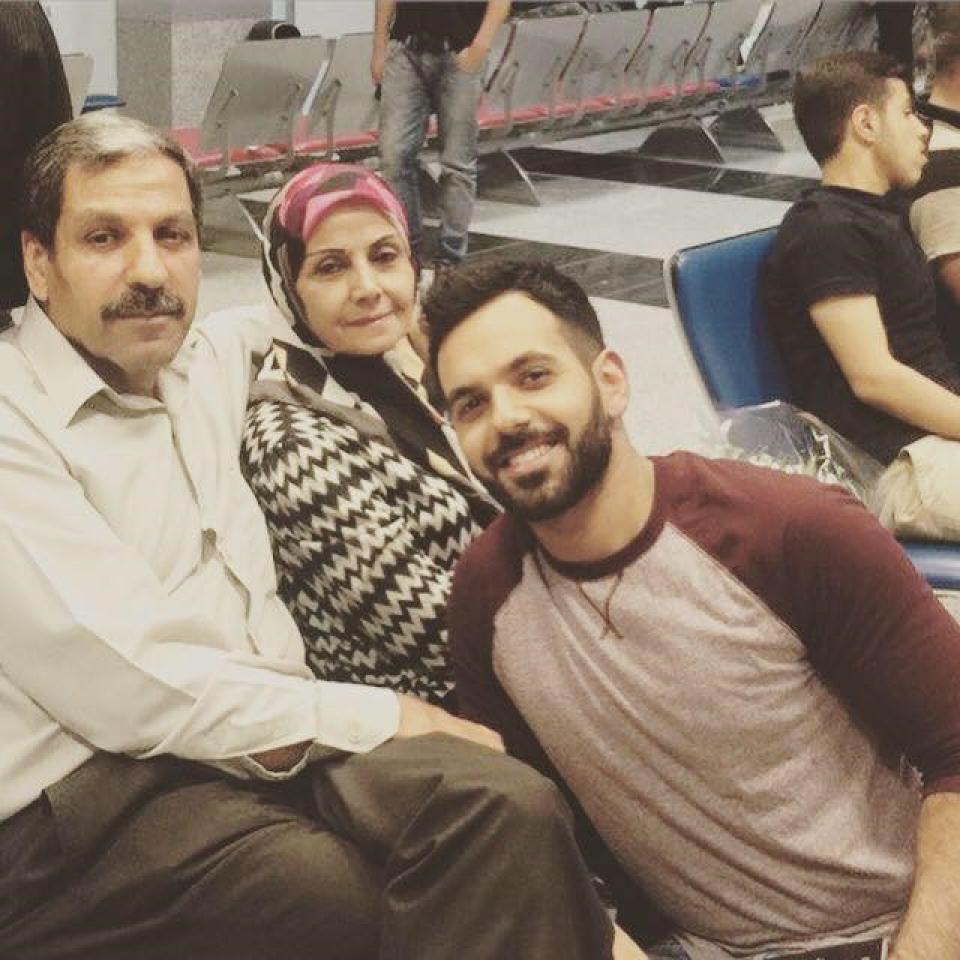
[[366, 526]]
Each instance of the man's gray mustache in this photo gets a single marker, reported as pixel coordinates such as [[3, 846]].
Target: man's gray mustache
[[140, 303]]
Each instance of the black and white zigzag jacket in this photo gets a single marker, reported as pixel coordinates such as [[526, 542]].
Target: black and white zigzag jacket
[[365, 537]]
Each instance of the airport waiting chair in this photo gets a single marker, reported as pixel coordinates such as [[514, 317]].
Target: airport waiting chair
[[789, 24], [256, 106], [721, 59], [676, 46], [839, 27], [712, 65], [342, 112], [523, 94], [740, 122], [715, 80], [636, 85], [596, 77], [492, 120], [523, 99], [714, 292], [673, 36]]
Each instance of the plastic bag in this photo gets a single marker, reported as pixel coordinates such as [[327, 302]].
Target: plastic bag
[[784, 437]]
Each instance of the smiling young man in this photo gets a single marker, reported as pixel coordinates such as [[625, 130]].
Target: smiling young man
[[724, 665], [173, 779], [852, 301]]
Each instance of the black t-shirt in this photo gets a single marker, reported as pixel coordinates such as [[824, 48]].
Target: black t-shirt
[[456, 22], [840, 242]]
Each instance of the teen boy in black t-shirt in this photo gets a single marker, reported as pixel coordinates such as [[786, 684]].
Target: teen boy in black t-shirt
[[851, 300]]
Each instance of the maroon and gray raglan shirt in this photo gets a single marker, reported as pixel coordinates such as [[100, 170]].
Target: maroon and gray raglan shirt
[[747, 730]]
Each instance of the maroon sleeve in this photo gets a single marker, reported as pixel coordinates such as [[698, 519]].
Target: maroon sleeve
[[485, 576], [876, 632], [872, 627]]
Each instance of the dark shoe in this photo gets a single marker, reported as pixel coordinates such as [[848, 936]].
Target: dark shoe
[[432, 271], [440, 266]]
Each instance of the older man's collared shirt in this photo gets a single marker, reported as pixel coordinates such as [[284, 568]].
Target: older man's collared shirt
[[138, 606]]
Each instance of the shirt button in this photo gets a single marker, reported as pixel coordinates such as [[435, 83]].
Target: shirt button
[[354, 733]]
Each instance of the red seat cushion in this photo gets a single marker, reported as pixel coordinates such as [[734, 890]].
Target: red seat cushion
[[189, 139], [362, 138], [491, 118], [661, 93], [711, 86], [531, 113], [346, 141], [596, 104]]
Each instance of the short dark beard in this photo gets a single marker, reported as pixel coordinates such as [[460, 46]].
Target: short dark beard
[[588, 463]]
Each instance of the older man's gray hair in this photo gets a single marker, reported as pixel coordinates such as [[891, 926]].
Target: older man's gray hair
[[91, 141]]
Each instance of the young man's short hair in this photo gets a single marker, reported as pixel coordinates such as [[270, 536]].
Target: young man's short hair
[[457, 294], [827, 91]]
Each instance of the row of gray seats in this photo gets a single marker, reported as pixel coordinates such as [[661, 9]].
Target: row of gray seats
[[279, 103]]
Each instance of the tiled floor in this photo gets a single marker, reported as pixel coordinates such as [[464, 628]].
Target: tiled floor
[[610, 218]]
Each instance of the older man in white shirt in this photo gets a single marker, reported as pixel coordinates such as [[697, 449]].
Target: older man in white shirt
[[173, 780]]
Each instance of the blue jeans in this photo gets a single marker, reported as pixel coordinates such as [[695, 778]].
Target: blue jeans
[[416, 84]]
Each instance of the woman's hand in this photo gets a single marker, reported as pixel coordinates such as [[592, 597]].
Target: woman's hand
[[418, 718]]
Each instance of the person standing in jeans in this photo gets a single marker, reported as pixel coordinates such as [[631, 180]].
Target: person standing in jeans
[[429, 58]]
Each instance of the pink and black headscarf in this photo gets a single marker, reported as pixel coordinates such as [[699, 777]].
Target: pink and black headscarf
[[292, 217], [298, 209]]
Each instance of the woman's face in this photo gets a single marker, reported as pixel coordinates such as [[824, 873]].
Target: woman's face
[[357, 283]]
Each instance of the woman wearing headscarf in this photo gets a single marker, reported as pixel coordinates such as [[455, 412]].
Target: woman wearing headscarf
[[368, 500]]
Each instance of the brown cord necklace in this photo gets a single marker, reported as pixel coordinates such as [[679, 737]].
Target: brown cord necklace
[[604, 612]]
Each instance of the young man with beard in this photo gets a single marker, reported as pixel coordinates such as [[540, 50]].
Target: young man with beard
[[852, 301], [724, 665]]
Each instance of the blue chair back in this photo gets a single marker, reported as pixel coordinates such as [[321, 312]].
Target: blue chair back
[[714, 290]]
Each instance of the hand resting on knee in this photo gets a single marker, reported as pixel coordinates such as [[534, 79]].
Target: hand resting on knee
[[418, 718]]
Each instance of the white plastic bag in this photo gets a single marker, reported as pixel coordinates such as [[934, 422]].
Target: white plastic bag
[[784, 437]]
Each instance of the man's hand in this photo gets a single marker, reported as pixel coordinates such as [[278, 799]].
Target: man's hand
[[852, 328], [931, 926], [418, 719], [377, 62], [470, 59]]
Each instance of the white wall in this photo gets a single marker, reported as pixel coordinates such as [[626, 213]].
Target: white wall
[[331, 18], [180, 11], [88, 26]]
